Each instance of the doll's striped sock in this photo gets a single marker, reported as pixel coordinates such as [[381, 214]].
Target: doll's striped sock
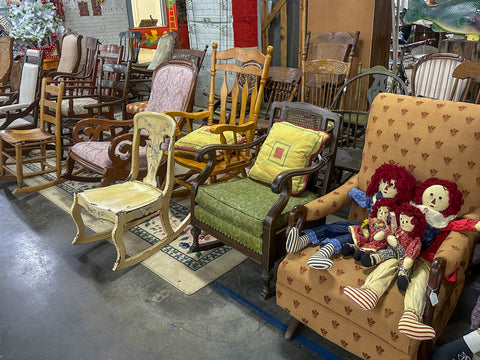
[[296, 243], [363, 298], [411, 327], [321, 259]]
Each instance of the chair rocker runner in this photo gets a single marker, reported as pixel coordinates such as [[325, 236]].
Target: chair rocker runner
[[132, 202], [22, 141]]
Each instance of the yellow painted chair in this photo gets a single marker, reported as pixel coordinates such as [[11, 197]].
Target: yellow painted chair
[[132, 202]]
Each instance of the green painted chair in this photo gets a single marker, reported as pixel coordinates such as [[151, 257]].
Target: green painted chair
[[251, 214]]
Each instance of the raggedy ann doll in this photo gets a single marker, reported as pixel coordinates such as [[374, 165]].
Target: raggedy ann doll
[[440, 201], [371, 236], [388, 181], [404, 243]]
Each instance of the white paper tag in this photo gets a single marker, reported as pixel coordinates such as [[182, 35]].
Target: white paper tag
[[433, 298]]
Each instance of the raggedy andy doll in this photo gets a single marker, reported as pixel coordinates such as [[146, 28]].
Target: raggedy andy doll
[[440, 201], [388, 181]]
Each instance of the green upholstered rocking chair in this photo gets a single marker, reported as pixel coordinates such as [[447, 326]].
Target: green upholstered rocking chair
[[250, 214]]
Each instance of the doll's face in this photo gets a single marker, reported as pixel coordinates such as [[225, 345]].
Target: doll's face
[[382, 213], [436, 197], [388, 188], [406, 222]]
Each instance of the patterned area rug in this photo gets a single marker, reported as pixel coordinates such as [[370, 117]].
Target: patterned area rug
[[188, 272]]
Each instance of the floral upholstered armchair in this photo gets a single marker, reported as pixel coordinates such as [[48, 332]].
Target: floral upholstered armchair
[[430, 138]]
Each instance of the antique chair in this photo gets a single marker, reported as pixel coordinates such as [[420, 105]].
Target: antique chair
[[353, 101], [250, 214], [132, 202], [234, 127], [20, 109], [469, 71], [82, 90], [130, 40], [16, 144], [432, 76], [6, 58], [71, 53], [282, 85], [87, 64], [140, 80], [102, 146], [431, 138], [327, 45]]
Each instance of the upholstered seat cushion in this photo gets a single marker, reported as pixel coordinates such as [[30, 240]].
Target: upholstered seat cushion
[[96, 152], [136, 107], [78, 105], [219, 203]]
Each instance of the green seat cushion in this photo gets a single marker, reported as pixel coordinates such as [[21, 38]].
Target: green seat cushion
[[237, 209]]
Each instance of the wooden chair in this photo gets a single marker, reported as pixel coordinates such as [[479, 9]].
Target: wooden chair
[[87, 64], [432, 76], [327, 45], [71, 54], [130, 40], [141, 79], [26, 141], [133, 202], [20, 109], [250, 214], [468, 71], [353, 101], [103, 146], [82, 90], [6, 58], [232, 127], [415, 133]]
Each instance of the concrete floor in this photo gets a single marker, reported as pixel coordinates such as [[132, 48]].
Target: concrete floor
[[60, 301]]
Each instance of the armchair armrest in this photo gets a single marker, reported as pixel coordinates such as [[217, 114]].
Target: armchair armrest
[[93, 129], [183, 115]]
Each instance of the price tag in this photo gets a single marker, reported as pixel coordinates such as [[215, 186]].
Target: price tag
[[433, 298]]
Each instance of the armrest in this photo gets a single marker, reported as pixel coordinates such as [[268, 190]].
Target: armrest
[[331, 202], [93, 129]]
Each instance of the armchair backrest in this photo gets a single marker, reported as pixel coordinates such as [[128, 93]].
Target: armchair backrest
[[470, 72], [161, 131], [71, 53], [130, 40], [173, 87], [328, 45], [243, 74], [431, 138], [6, 58], [432, 76], [30, 76], [282, 84]]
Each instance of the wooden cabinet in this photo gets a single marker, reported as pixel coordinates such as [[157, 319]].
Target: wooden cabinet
[[373, 18]]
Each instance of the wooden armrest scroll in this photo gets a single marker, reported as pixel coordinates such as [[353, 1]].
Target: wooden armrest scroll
[[94, 128]]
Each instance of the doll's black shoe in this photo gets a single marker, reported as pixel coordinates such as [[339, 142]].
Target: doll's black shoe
[[368, 260], [357, 255], [403, 279], [347, 249]]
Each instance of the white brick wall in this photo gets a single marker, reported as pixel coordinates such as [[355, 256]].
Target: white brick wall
[[106, 27]]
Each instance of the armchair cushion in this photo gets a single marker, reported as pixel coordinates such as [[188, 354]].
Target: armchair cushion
[[136, 107], [279, 153], [218, 203], [190, 143], [78, 105]]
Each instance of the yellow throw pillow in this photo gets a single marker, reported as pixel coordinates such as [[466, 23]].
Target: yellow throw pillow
[[190, 143], [287, 146]]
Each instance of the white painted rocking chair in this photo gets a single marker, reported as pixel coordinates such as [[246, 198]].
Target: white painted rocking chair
[[132, 202]]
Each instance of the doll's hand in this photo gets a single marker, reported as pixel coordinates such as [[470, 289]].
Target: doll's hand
[[379, 236], [366, 232], [392, 240], [407, 263]]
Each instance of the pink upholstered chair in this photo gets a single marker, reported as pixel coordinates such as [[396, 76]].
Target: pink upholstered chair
[[109, 155]]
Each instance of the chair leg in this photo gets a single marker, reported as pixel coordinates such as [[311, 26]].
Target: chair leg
[[268, 290], [81, 238], [294, 327], [19, 164], [3, 159], [117, 239]]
